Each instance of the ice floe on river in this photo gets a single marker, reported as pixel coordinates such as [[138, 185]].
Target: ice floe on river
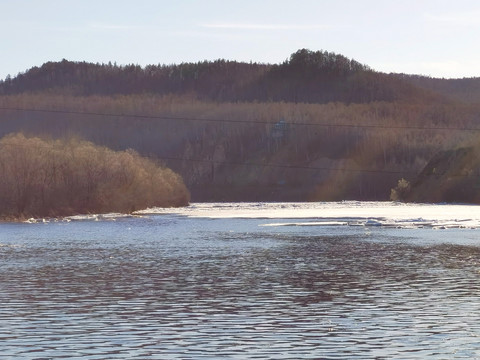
[[86, 217], [345, 213]]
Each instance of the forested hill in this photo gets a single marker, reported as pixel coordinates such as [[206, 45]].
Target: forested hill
[[307, 77], [318, 126], [465, 89]]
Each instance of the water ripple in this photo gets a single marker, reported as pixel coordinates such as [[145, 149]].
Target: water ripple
[[243, 294]]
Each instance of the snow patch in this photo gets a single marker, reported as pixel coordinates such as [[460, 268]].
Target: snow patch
[[345, 213]]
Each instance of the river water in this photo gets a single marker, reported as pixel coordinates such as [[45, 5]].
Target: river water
[[245, 281]]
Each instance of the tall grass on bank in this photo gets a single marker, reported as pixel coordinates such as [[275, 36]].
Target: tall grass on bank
[[40, 177]]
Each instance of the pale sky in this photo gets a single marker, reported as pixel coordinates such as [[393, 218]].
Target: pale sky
[[437, 38]]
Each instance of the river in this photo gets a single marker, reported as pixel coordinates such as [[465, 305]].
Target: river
[[244, 281]]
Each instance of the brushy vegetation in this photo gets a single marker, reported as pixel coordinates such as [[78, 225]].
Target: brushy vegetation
[[42, 177], [400, 192]]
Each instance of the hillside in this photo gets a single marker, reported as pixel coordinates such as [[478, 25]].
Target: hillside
[[318, 126], [307, 77], [450, 176], [465, 89]]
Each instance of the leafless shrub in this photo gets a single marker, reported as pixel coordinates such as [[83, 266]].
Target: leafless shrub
[[40, 177]]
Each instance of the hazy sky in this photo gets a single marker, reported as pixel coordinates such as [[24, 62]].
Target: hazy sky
[[431, 37]]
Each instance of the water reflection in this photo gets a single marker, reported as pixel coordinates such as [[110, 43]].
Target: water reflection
[[242, 294]]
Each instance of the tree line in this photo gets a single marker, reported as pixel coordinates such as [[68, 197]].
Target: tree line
[[307, 76]]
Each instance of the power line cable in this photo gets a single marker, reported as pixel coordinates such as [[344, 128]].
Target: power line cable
[[284, 166], [252, 164], [259, 122], [288, 166], [230, 163]]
